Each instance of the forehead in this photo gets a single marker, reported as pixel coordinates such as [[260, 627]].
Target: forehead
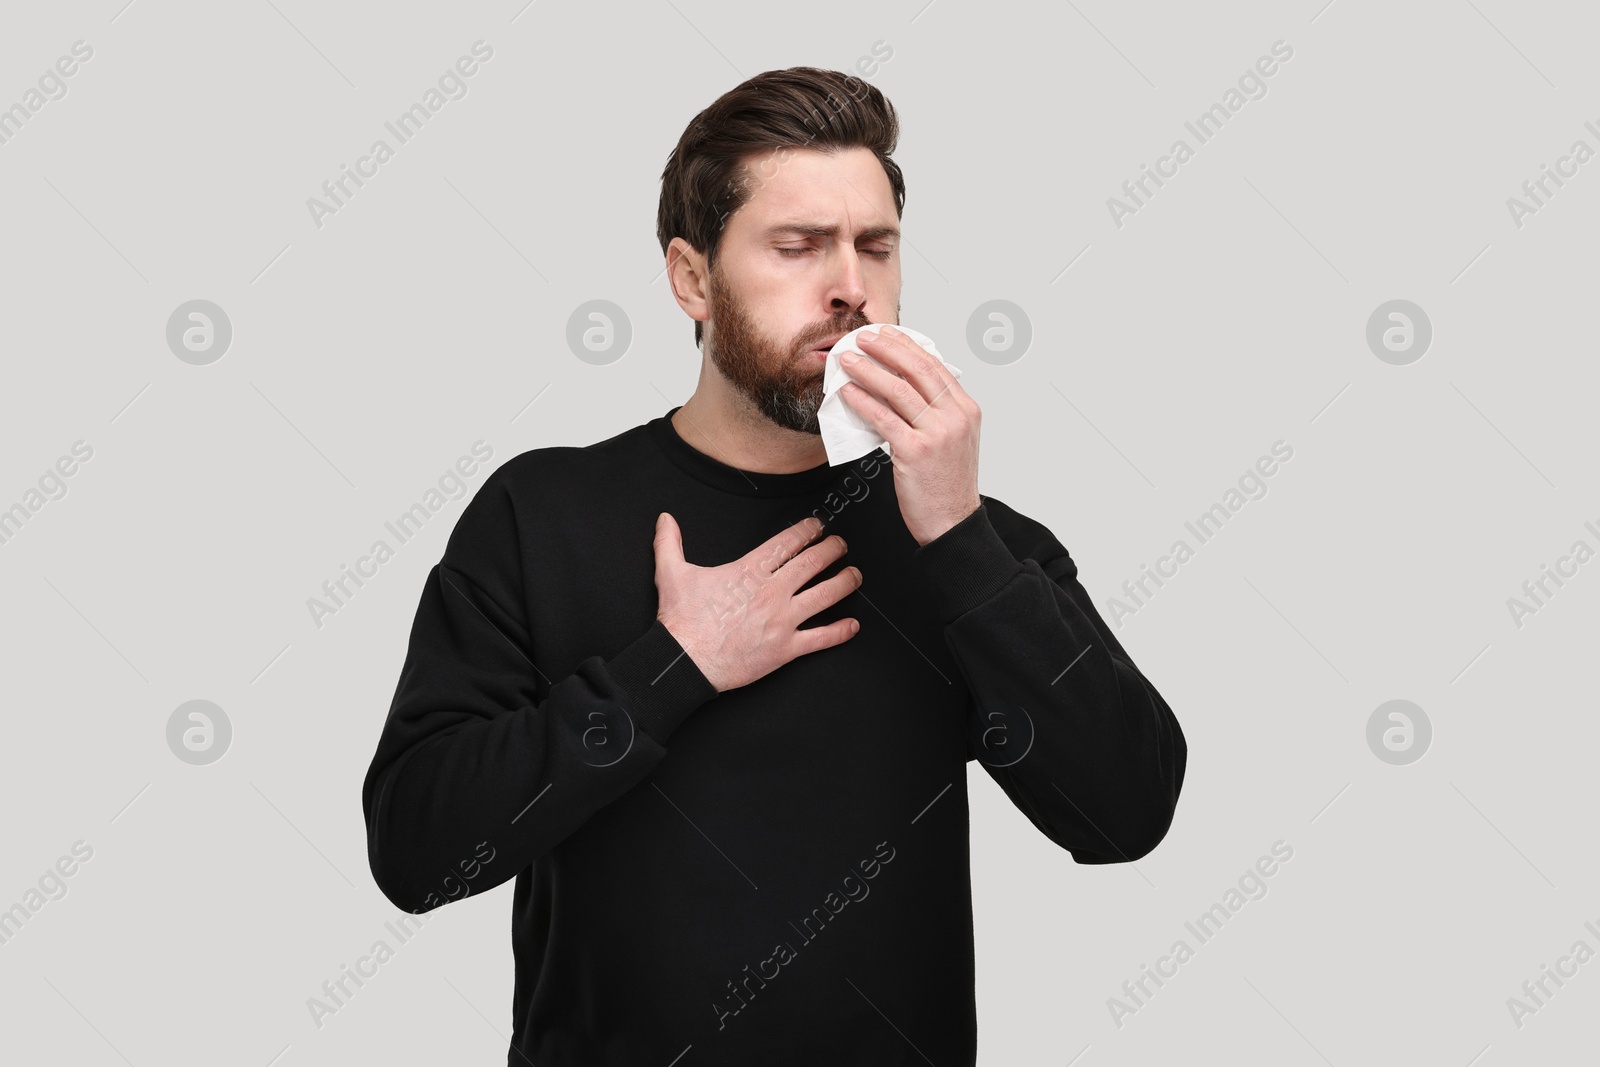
[[846, 188]]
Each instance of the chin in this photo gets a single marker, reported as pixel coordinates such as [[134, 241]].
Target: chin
[[796, 421], [810, 427]]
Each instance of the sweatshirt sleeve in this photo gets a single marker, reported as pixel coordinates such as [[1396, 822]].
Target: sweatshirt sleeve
[[1061, 717], [471, 756]]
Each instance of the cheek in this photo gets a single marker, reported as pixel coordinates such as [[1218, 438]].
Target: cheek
[[883, 288], [773, 287], [786, 308]]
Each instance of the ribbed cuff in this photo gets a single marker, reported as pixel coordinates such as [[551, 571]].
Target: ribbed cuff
[[966, 565], [661, 682]]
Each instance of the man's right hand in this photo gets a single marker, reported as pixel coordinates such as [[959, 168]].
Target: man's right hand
[[740, 621]]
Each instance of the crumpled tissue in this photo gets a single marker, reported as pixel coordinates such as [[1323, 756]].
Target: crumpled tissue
[[845, 434]]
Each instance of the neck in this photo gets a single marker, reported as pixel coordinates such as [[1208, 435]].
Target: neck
[[724, 425]]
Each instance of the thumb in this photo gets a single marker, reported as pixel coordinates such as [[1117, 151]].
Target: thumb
[[668, 541]]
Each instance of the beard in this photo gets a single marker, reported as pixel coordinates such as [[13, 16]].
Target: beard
[[782, 381]]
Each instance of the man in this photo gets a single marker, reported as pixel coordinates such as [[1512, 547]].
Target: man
[[727, 766]]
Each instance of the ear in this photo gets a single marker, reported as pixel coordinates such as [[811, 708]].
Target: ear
[[687, 274]]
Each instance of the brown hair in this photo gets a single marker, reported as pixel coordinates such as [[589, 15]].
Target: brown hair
[[705, 179]]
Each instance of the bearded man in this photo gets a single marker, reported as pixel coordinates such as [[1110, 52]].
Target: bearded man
[[710, 701]]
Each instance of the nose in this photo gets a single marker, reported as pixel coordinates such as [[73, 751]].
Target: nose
[[846, 290]]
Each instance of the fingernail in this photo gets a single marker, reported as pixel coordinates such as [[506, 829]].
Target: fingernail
[[849, 357]]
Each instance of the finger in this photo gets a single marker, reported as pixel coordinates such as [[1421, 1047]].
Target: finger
[[826, 594], [882, 418], [818, 638], [808, 564], [668, 542], [868, 373], [886, 387], [928, 376], [786, 544]]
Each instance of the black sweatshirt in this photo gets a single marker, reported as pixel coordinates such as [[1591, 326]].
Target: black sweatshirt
[[778, 873]]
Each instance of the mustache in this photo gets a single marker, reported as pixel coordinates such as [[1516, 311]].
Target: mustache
[[814, 336]]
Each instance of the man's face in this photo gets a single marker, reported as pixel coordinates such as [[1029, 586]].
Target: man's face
[[813, 254]]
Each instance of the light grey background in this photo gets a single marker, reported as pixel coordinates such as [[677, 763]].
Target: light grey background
[[1167, 354]]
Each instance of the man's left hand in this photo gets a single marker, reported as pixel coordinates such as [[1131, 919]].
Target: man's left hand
[[931, 425]]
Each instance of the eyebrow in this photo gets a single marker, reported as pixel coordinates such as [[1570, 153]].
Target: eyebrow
[[809, 229]]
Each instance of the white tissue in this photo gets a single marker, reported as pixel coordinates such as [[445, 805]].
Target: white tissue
[[845, 434]]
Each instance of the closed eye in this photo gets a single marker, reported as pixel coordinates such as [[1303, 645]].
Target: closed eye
[[875, 253]]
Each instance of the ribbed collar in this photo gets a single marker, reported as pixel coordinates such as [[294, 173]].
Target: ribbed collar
[[728, 479]]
